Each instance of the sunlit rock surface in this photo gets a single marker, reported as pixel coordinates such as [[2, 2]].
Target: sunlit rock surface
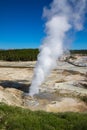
[[62, 90]]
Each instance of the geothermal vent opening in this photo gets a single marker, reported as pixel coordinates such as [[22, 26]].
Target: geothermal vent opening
[[62, 17]]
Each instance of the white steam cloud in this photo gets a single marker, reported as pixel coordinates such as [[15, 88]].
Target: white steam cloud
[[62, 17]]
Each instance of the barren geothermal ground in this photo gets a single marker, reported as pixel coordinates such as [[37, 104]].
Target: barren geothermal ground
[[64, 90]]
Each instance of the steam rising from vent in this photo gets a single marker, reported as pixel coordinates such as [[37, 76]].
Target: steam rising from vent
[[61, 17]]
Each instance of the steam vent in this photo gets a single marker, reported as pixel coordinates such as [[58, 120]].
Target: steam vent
[[63, 90]]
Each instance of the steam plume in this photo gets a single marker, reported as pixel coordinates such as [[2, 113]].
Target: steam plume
[[61, 17]]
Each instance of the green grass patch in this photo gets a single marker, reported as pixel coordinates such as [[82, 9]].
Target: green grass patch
[[15, 118]]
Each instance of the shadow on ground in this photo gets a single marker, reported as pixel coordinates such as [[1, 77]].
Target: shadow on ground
[[18, 84]]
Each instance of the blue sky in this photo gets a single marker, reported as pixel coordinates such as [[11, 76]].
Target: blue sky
[[22, 25]]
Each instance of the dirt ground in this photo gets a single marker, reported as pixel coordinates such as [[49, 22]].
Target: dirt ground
[[62, 90]]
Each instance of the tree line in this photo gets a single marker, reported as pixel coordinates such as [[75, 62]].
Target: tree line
[[19, 55], [80, 52], [28, 54]]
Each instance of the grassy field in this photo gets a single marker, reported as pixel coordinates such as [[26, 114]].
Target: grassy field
[[15, 118]]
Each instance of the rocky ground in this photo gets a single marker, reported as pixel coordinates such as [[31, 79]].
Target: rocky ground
[[62, 91]]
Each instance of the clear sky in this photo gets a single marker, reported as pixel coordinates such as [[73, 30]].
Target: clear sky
[[22, 25]]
